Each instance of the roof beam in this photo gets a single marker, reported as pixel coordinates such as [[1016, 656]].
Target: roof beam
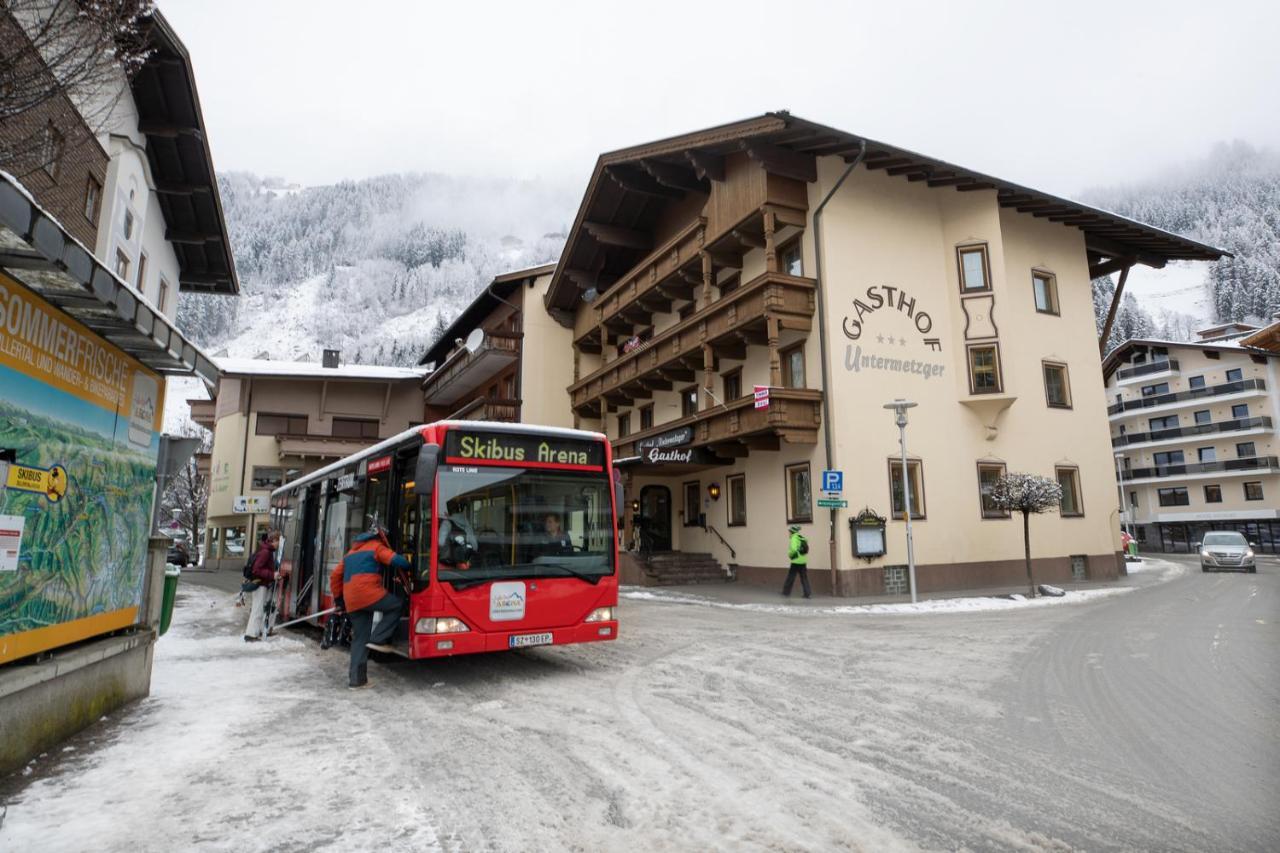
[[746, 238], [886, 162], [949, 182], [176, 188], [191, 237], [676, 177], [636, 181], [616, 235], [907, 169], [169, 130], [706, 166], [782, 161], [977, 185]]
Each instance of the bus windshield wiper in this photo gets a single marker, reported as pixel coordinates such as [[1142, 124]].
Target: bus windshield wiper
[[592, 579]]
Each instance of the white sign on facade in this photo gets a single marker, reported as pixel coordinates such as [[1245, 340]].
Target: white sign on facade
[[250, 504], [11, 527]]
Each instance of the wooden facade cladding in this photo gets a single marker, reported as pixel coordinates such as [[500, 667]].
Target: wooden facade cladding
[[794, 416], [489, 409], [752, 314], [464, 371]]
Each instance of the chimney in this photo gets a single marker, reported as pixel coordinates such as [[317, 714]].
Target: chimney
[[331, 357]]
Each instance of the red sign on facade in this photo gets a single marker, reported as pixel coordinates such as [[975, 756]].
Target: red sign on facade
[[761, 395]]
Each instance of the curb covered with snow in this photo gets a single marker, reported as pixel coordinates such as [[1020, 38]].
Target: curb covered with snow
[[969, 604]]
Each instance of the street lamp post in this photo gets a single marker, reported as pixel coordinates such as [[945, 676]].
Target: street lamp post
[[1125, 511], [899, 407]]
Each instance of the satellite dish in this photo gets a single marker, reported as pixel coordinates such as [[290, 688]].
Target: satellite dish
[[474, 340]]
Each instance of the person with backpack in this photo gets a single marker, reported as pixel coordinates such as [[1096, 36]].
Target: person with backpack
[[356, 585], [798, 554], [260, 572]]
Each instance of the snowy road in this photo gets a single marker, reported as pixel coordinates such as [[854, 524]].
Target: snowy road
[[1141, 721]]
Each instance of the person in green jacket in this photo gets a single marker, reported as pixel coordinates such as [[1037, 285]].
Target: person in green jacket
[[798, 554]]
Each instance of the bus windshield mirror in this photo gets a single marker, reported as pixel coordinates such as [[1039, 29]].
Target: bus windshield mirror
[[424, 479]]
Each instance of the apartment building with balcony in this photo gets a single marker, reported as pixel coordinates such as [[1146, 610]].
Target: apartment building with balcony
[[274, 421], [1193, 429], [746, 299], [503, 359]]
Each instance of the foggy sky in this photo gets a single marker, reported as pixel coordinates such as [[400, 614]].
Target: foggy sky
[[1058, 96]]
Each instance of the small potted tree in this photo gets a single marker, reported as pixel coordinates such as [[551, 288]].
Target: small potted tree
[[1027, 494]]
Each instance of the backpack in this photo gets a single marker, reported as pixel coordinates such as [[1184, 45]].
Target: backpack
[[804, 545], [248, 566]]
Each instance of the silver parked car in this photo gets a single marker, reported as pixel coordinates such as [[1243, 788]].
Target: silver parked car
[[1226, 550]]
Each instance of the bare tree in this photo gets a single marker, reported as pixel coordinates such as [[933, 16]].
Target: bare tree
[[1028, 494], [52, 51], [187, 497]]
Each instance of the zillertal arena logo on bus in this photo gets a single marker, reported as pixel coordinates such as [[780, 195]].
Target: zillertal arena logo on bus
[[890, 353]]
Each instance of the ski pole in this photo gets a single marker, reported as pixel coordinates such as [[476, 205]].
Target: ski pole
[[304, 618]]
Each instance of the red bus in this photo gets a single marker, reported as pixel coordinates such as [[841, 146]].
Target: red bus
[[511, 532]]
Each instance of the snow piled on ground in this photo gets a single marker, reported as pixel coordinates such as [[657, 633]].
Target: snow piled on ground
[[933, 605], [164, 780]]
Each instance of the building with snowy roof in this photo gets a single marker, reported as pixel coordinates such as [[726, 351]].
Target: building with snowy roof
[[274, 421], [1193, 431]]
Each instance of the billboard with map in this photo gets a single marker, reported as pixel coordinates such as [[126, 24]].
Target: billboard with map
[[80, 425]]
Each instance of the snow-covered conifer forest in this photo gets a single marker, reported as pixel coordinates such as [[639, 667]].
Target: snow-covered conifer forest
[[378, 267]]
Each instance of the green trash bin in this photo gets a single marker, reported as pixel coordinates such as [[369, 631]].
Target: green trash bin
[[171, 575]]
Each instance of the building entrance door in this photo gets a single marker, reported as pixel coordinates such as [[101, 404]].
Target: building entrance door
[[655, 518]]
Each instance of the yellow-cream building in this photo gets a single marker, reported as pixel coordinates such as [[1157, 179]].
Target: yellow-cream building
[[746, 299]]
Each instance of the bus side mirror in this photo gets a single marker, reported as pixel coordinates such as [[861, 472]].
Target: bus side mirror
[[424, 477]]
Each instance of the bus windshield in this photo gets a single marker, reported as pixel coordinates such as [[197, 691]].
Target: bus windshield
[[498, 523]]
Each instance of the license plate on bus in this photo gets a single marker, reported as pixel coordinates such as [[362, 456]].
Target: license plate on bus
[[521, 641]]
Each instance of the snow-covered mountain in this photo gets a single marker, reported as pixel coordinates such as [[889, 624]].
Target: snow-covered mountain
[[376, 268], [1231, 199]]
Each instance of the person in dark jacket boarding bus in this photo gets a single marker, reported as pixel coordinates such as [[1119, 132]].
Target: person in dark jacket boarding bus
[[798, 554], [356, 584], [262, 574]]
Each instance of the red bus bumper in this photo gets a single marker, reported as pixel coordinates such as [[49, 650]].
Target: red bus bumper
[[474, 642]]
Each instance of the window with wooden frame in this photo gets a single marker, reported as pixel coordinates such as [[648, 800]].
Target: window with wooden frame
[[142, 273], [692, 503], [915, 480], [799, 493], [353, 427], [122, 265], [52, 148], [790, 259], [975, 270], [793, 366], [988, 473], [165, 293], [273, 424], [984, 369], [1057, 387], [1044, 285], [92, 198], [624, 425], [736, 486], [731, 384], [646, 417], [689, 401], [1253, 491], [1069, 478]]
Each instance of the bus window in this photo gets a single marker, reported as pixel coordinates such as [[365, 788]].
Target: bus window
[[374, 509], [515, 523]]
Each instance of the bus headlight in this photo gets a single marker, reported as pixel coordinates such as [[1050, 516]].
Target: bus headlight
[[446, 625], [600, 614]]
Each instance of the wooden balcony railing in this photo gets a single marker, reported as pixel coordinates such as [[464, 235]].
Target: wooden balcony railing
[[754, 314], [794, 416], [489, 409], [465, 370]]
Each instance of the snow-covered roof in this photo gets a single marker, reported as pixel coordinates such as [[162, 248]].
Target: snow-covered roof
[[312, 370], [1117, 356]]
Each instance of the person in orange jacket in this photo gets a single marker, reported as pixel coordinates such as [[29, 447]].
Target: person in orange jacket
[[356, 584]]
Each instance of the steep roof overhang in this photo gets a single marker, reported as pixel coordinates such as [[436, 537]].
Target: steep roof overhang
[[473, 315], [37, 251], [169, 115], [629, 185]]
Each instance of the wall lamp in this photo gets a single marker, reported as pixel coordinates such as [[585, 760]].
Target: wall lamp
[[713, 491]]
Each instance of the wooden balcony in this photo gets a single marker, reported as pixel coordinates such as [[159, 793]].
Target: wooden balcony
[[489, 409], [464, 371], [673, 271], [753, 314], [794, 416]]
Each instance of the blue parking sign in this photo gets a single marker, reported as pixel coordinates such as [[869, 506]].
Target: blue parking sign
[[833, 481]]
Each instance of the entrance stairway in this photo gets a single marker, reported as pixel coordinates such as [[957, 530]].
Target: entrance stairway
[[672, 568]]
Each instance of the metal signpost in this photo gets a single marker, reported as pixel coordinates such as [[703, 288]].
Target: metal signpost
[[900, 407]]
